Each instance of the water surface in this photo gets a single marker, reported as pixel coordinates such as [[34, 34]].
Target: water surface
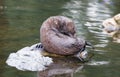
[[20, 21]]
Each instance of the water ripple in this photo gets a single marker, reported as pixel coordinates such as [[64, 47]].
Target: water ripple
[[95, 63]]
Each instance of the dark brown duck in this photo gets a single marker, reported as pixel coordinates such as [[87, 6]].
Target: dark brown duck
[[58, 36]]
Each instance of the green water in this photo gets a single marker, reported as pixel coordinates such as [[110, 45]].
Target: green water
[[20, 21]]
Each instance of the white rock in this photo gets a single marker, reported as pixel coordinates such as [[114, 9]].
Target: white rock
[[29, 58]]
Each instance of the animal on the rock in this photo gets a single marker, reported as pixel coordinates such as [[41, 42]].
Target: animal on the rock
[[112, 27], [58, 36]]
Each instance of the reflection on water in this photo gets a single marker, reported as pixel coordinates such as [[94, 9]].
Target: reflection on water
[[62, 67], [19, 27]]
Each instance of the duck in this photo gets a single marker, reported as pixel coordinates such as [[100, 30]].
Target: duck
[[111, 27], [58, 36]]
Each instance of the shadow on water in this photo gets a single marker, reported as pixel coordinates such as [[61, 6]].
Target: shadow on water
[[20, 21]]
